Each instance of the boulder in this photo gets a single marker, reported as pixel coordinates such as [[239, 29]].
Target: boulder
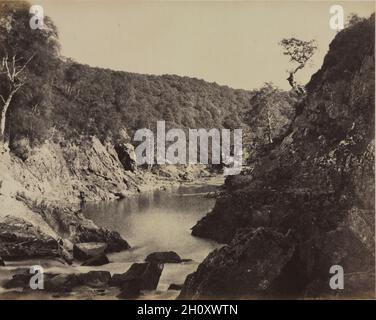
[[21, 240], [19, 280], [95, 278], [249, 267], [62, 283], [22, 280], [96, 261], [163, 257], [145, 274], [174, 286], [114, 241], [78, 229], [130, 290], [87, 250]]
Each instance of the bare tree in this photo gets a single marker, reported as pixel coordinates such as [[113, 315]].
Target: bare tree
[[299, 52], [13, 71]]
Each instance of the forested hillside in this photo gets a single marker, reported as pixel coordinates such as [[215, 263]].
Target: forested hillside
[[77, 99], [61, 99]]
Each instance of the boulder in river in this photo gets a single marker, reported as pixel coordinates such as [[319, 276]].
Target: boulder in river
[[163, 257], [145, 274], [19, 280], [130, 290], [22, 280], [99, 260], [95, 278], [87, 250], [64, 282]]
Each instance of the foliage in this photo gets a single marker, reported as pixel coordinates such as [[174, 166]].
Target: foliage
[[65, 100], [300, 52], [30, 108]]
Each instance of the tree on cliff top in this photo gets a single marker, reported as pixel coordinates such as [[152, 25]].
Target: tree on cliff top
[[299, 52]]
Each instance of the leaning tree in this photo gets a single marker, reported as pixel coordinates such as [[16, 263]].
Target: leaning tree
[[299, 52]]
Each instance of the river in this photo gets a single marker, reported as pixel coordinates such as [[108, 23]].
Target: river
[[150, 222], [159, 221]]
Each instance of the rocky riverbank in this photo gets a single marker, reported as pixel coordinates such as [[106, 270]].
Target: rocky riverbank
[[40, 196]]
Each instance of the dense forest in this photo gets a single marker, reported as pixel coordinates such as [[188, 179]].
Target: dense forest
[[62, 99]]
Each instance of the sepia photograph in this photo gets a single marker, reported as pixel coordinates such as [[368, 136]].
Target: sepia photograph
[[213, 151]]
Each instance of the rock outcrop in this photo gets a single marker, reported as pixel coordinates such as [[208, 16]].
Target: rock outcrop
[[308, 204], [87, 250], [146, 275], [21, 240], [40, 197], [127, 156]]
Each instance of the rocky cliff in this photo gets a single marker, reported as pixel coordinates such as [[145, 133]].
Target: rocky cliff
[[309, 202], [40, 197]]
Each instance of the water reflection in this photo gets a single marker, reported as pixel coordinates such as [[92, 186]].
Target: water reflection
[[158, 221]]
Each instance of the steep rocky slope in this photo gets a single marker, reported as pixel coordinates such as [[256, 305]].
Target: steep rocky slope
[[309, 202]]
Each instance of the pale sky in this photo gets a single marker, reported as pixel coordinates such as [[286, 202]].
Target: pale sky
[[233, 43]]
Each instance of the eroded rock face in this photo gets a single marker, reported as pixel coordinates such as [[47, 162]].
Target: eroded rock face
[[69, 171], [50, 183], [316, 186], [21, 240]]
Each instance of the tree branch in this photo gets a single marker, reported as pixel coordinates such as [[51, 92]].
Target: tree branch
[[24, 66]]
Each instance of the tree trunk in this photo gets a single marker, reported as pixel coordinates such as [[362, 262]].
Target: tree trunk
[[269, 127], [3, 117], [291, 80]]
